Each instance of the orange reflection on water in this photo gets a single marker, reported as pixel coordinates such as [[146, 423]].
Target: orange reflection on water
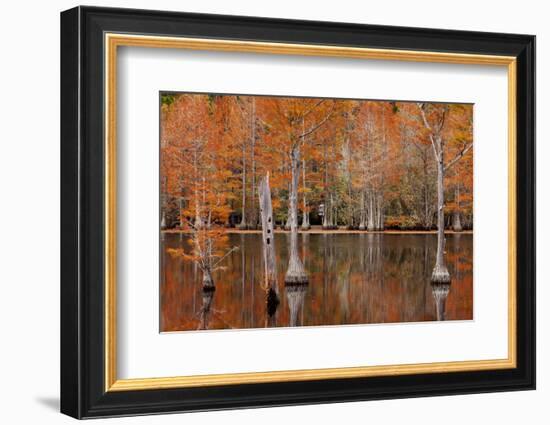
[[353, 279]]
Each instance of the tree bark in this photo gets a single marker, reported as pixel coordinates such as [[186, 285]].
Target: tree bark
[[242, 225], [370, 223], [254, 219], [181, 215], [295, 273], [305, 213], [362, 224], [380, 191], [440, 273], [207, 280], [334, 216], [163, 220], [289, 215], [328, 202], [457, 224], [379, 213], [350, 208], [327, 224], [198, 219], [268, 238]]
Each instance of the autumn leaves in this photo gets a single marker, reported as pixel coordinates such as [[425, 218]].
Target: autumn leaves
[[333, 163]]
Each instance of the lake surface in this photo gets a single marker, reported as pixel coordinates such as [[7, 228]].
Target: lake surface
[[353, 279]]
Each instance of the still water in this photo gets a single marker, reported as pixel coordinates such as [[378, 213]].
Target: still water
[[353, 279]]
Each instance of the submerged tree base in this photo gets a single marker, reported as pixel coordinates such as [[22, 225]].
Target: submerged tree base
[[440, 275], [441, 283], [296, 280]]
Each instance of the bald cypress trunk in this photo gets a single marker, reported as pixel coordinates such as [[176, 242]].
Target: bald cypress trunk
[[198, 220], [268, 239], [362, 218], [305, 213], [253, 224], [295, 272], [289, 216], [334, 216], [379, 220], [181, 213], [325, 216], [328, 205], [242, 225], [207, 280], [457, 223], [440, 273], [370, 222]]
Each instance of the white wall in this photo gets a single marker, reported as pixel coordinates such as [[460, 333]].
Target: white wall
[[29, 216]]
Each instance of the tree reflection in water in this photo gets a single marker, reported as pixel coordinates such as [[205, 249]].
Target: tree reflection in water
[[295, 295], [440, 291], [205, 311], [353, 279]]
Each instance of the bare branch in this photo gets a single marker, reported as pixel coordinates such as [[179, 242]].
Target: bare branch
[[423, 115], [305, 114], [460, 155], [235, 248], [442, 119], [317, 126], [427, 125]]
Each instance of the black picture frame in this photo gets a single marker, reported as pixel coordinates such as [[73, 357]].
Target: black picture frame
[[82, 212]]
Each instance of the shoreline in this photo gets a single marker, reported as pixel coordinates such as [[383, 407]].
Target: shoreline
[[336, 231]]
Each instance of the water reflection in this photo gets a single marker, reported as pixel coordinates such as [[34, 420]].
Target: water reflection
[[295, 295], [440, 291], [353, 279], [205, 311], [271, 305]]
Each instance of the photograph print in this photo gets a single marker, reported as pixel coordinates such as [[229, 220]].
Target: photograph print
[[295, 211]]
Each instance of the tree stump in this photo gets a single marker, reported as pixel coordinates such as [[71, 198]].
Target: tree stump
[[268, 247]]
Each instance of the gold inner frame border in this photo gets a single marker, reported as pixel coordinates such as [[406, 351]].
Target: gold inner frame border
[[111, 43]]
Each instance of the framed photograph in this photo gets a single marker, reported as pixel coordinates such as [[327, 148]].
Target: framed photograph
[[261, 212]]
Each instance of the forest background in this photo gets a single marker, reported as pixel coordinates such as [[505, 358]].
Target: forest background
[[363, 165]]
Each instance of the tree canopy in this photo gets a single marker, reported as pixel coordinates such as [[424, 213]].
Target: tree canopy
[[363, 164]]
